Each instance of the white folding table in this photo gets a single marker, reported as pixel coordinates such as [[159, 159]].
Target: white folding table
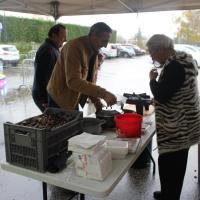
[[69, 180]]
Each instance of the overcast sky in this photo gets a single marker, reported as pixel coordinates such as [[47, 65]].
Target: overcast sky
[[126, 25]]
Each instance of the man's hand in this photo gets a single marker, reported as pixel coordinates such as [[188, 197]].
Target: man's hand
[[110, 98], [97, 103]]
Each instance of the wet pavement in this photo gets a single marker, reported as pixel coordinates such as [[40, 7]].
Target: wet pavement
[[118, 76]]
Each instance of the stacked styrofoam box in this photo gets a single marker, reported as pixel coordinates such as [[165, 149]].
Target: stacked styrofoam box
[[92, 160], [118, 149]]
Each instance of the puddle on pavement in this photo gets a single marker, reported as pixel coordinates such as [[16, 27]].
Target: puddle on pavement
[[13, 95]]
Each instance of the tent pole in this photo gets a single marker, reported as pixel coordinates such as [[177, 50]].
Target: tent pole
[[54, 8]]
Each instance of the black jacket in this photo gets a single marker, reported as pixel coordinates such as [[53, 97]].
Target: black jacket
[[170, 83], [45, 60]]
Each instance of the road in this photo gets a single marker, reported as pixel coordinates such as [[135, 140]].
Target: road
[[126, 75]]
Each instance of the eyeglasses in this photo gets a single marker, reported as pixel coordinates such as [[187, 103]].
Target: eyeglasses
[[156, 64]]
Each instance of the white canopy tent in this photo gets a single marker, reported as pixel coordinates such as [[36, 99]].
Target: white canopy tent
[[59, 8]]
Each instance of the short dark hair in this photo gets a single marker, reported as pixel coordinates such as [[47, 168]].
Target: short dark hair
[[99, 28], [55, 29]]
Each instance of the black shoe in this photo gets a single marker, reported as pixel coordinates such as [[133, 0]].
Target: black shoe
[[157, 195]]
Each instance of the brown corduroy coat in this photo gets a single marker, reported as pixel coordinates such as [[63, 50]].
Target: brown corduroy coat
[[68, 79]]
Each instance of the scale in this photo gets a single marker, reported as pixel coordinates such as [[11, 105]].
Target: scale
[[141, 101]]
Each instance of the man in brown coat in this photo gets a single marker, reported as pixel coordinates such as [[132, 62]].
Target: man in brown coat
[[74, 75]]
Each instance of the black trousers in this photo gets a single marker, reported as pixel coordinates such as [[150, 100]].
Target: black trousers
[[37, 101], [51, 102], [172, 168]]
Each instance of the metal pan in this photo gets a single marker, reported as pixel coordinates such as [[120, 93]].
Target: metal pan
[[92, 125], [108, 116]]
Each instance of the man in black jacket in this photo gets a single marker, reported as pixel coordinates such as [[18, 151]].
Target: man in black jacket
[[45, 60]]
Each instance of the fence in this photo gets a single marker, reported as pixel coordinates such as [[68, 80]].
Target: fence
[[27, 73]]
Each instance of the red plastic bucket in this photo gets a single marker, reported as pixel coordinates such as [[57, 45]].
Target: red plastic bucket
[[129, 124]]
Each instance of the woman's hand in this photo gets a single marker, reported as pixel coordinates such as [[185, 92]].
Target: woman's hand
[[153, 74]]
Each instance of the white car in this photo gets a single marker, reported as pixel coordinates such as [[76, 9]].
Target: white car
[[109, 53], [194, 53], [9, 54], [194, 48]]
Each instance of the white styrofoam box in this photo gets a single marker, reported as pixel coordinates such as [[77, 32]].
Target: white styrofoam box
[[88, 151], [96, 166], [119, 149], [133, 143], [87, 140], [86, 143]]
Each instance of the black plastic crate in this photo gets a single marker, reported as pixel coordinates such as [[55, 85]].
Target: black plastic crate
[[31, 147]]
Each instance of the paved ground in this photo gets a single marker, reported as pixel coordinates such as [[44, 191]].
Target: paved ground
[[119, 76]]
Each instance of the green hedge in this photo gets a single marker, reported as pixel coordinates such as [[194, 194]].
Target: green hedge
[[25, 32]]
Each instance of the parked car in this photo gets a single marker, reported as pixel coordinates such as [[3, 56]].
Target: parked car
[[138, 50], [194, 53], [123, 51], [9, 54], [192, 47], [197, 47], [126, 52], [109, 51]]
